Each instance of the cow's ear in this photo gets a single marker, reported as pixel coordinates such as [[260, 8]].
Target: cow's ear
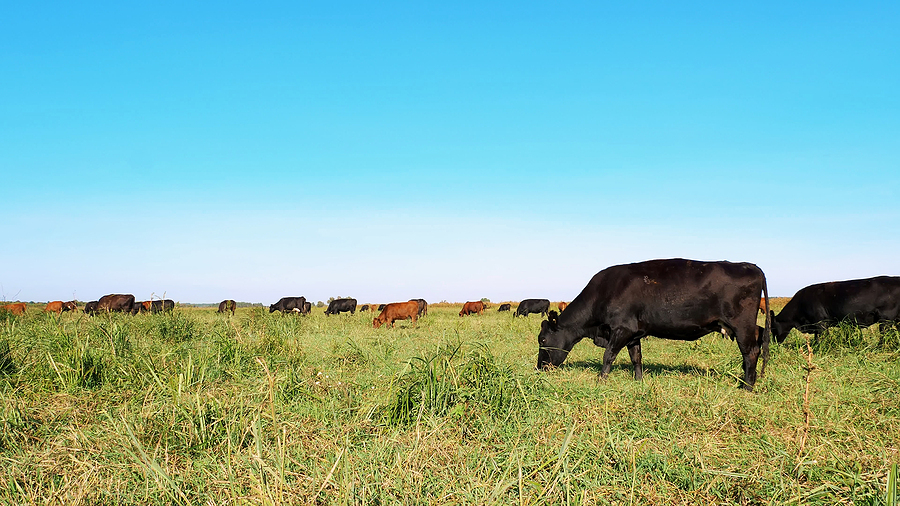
[[553, 320]]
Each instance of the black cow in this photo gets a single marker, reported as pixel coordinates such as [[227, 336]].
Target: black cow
[[671, 299], [287, 304], [116, 302], [423, 306], [364, 307], [504, 307], [529, 306], [862, 302], [90, 308], [381, 307], [307, 307], [227, 305], [338, 306], [138, 307], [159, 306]]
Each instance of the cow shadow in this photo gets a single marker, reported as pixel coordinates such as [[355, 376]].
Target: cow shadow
[[650, 368]]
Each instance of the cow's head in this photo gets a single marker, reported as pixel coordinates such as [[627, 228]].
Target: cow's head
[[272, 308], [554, 341], [378, 321], [779, 330]]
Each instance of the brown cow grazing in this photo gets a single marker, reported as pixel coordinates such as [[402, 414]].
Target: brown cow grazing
[[562, 306], [472, 307], [54, 307], [16, 309], [115, 302], [227, 305], [397, 311]]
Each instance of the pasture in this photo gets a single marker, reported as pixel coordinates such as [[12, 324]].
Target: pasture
[[198, 408]]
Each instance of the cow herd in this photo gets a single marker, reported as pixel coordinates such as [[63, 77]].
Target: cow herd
[[120, 303], [676, 299]]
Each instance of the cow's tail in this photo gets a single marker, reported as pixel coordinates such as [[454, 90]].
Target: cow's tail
[[766, 335]]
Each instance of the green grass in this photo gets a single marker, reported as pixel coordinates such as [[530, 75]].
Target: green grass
[[198, 408]]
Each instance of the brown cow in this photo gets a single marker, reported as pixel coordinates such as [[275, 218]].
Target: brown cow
[[762, 306], [58, 306], [563, 306], [54, 307], [397, 311], [16, 309], [227, 305], [472, 307]]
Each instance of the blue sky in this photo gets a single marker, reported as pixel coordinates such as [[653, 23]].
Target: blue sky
[[457, 151]]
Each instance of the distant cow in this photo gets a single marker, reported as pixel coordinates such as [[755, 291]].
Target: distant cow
[[59, 306], [338, 306], [227, 305], [472, 307], [286, 304], [862, 302], [138, 307], [17, 309], [307, 307], [397, 311], [363, 308], [562, 306], [671, 299], [529, 306], [116, 302], [381, 307], [503, 307], [423, 306], [762, 306], [90, 308], [159, 306]]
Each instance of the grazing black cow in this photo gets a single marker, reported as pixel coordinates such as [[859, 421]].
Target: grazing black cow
[[286, 304], [671, 299], [227, 305], [159, 306], [863, 302], [381, 307], [338, 306], [116, 302], [363, 308], [504, 307], [423, 306], [90, 308], [138, 307], [529, 306]]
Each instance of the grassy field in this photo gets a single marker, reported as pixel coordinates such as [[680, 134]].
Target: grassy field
[[199, 408]]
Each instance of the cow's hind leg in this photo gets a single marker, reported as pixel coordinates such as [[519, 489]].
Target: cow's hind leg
[[634, 351]]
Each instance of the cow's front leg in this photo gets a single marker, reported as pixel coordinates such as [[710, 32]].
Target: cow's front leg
[[617, 341]]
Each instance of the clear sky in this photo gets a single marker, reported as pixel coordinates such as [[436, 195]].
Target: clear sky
[[390, 150]]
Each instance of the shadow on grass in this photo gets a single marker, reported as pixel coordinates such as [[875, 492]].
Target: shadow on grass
[[650, 368]]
